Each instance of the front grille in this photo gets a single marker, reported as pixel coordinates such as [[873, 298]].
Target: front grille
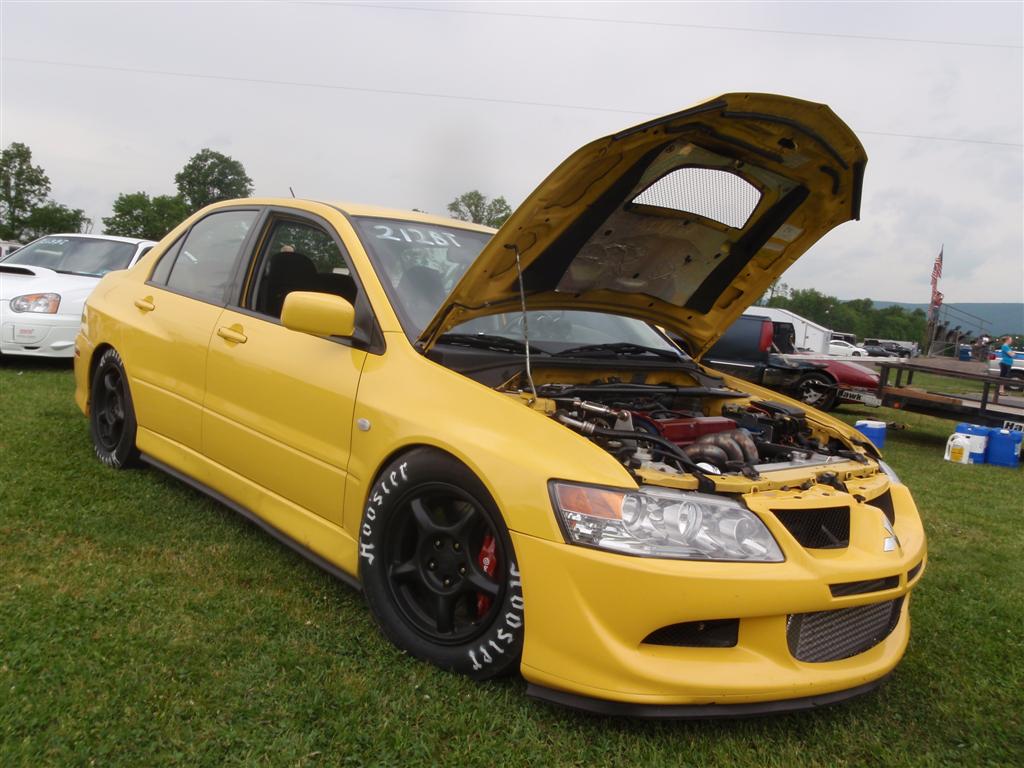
[[914, 571], [824, 528], [718, 633], [884, 503], [864, 587], [834, 635]]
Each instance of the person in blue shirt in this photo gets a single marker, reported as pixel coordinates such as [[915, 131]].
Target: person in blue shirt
[[1005, 361]]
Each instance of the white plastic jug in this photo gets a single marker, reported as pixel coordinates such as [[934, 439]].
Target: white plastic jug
[[958, 448]]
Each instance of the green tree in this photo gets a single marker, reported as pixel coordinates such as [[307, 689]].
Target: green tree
[[210, 176], [23, 188], [137, 215], [51, 217], [475, 207]]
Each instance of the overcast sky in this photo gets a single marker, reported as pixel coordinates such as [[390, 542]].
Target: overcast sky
[[410, 104]]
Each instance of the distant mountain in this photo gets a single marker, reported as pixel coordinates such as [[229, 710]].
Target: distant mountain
[[1007, 317]]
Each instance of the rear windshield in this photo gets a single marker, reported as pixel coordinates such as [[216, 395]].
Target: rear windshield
[[75, 255]]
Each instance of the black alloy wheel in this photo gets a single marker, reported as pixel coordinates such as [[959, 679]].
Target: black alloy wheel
[[434, 576], [438, 568], [818, 391], [111, 414]]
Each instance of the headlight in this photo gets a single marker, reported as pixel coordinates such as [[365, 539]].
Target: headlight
[[658, 522], [43, 303], [888, 471]]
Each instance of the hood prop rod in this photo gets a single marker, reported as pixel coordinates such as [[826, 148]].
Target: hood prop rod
[[522, 303]]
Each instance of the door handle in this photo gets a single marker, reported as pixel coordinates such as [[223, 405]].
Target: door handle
[[146, 304], [233, 334]]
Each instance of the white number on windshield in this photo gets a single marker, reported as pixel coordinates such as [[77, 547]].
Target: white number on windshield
[[414, 235]]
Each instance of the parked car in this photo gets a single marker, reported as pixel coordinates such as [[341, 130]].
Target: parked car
[[845, 349], [902, 350], [876, 349], [7, 247], [43, 287], [632, 531], [760, 350]]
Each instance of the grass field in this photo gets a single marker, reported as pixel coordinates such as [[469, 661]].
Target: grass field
[[142, 624]]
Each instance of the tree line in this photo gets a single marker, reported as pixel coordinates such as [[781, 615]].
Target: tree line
[[27, 212], [857, 316]]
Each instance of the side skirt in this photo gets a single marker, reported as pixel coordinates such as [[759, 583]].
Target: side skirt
[[288, 541]]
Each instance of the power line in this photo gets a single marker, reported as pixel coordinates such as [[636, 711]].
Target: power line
[[435, 95], [638, 22]]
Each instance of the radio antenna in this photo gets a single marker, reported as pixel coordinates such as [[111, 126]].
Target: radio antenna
[[292, 191], [522, 303]]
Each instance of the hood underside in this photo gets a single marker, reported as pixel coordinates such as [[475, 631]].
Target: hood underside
[[683, 221]]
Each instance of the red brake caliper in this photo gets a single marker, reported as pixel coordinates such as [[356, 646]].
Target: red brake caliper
[[488, 561]]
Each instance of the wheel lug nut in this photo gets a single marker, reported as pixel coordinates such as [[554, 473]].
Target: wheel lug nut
[[447, 582], [431, 565], [437, 543], [462, 569], [457, 546]]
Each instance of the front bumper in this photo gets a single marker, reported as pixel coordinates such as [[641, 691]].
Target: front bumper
[[38, 335], [589, 613]]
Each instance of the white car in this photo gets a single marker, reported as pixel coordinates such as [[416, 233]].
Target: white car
[[846, 349], [44, 285]]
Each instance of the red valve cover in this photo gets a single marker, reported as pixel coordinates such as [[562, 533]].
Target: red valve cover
[[680, 429]]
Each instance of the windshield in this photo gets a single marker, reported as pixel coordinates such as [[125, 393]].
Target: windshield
[[75, 255], [420, 264]]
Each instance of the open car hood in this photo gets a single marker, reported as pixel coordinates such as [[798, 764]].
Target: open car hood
[[683, 221]]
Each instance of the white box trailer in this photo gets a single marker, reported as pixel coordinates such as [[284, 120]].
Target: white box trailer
[[809, 335]]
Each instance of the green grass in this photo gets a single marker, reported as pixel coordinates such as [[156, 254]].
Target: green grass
[[931, 382], [142, 624]]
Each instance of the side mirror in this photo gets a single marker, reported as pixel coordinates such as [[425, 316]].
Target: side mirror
[[319, 314]]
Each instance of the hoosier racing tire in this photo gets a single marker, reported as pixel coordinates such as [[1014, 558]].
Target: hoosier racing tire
[[438, 568]]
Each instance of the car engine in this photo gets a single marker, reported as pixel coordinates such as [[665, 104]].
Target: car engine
[[667, 428]]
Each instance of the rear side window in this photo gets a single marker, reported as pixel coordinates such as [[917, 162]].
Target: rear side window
[[204, 264]]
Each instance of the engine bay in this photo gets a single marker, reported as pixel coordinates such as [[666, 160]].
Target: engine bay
[[697, 427]]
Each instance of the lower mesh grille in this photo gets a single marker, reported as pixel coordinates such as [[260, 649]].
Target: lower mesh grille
[[825, 528], [719, 633], [834, 635]]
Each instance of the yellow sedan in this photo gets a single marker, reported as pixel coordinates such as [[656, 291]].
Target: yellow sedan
[[491, 435]]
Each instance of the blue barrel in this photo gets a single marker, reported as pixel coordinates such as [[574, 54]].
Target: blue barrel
[[1004, 447], [873, 431], [979, 441], [965, 352]]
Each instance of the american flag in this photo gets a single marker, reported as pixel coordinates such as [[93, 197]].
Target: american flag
[[937, 267]]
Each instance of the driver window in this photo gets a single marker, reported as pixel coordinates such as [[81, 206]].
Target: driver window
[[297, 256]]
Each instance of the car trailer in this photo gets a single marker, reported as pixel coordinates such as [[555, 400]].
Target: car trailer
[[991, 409]]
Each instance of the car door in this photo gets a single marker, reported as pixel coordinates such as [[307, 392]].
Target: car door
[[175, 312], [279, 403]]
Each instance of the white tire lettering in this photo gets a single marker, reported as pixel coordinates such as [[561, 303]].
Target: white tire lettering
[[364, 551], [486, 656], [504, 636], [517, 602], [378, 499], [402, 470], [496, 647], [476, 664], [514, 620]]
